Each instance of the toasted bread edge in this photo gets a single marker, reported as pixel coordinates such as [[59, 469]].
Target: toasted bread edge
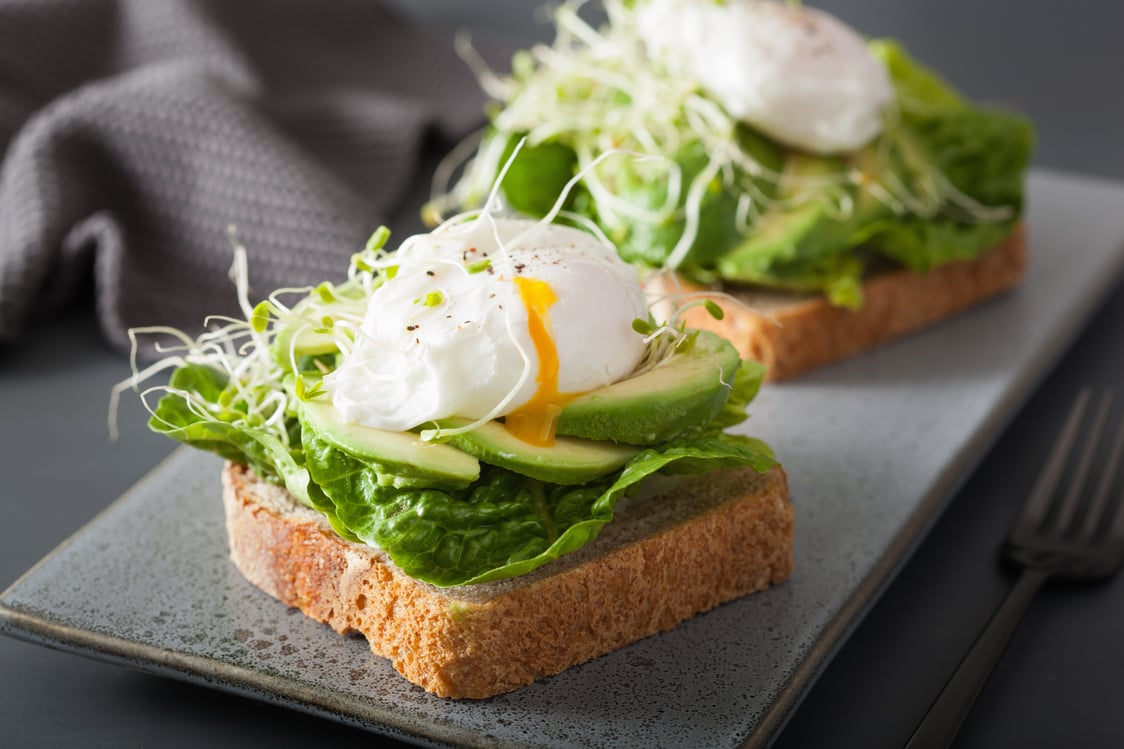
[[502, 637], [792, 334]]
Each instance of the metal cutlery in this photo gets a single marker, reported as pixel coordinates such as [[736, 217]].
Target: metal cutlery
[[1071, 528]]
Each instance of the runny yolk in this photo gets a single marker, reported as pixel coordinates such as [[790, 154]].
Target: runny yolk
[[535, 421]]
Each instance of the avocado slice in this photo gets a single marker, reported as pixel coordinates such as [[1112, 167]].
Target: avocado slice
[[680, 394], [807, 232], [308, 343], [568, 461], [806, 247], [403, 454], [787, 234]]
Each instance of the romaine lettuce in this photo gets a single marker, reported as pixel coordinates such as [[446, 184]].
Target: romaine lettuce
[[505, 524], [224, 431]]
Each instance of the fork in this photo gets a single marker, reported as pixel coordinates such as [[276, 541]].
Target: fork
[[1062, 532]]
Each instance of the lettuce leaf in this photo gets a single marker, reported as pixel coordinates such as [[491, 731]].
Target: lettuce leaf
[[506, 524], [918, 88], [923, 245], [267, 456], [747, 381], [982, 152]]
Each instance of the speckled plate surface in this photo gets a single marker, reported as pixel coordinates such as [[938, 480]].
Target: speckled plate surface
[[874, 448]]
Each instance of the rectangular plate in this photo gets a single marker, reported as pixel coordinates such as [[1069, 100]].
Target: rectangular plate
[[874, 448]]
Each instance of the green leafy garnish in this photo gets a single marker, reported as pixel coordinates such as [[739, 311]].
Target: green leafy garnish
[[642, 326], [477, 266], [378, 240], [259, 320], [505, 524]]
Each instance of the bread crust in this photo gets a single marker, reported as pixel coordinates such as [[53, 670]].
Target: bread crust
[[684, 551], [793, 333]]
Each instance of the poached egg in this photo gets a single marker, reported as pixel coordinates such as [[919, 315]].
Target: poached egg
[[489, 318], [797, 74]]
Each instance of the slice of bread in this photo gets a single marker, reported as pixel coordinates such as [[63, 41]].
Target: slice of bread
[[793, 333], [679, 548]]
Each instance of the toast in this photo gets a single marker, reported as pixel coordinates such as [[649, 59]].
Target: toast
[[793, 333], [681, 547]]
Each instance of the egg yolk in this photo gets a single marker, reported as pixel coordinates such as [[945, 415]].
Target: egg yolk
[[535, 421]]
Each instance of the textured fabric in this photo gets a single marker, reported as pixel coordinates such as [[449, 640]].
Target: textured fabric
[[135, 132]]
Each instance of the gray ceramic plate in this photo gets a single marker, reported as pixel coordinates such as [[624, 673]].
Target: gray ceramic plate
[[874, 447]]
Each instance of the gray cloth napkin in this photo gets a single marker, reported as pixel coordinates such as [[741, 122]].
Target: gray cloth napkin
[[134, 132]]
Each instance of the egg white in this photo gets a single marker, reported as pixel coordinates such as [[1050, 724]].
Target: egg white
[[440, 340], [797, 74]]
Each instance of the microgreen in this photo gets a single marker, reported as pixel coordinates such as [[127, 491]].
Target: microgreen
[[243, 352], [304, 391], [259, 320], [378, 240]]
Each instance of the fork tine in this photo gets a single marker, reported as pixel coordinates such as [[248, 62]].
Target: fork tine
[[1042, 553], [1039, 501], [1097, 508], [1076, 487]]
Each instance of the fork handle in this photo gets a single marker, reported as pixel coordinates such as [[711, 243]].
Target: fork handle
[[945, 716]]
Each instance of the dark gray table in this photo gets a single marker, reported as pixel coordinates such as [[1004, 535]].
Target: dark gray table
[[1062, 681]]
